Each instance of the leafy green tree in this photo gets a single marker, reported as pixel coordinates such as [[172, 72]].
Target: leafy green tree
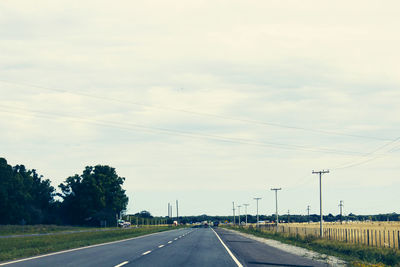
[[144, 214], [93, 196], [24, 195]]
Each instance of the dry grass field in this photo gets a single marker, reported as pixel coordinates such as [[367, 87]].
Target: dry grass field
[[376, 234]]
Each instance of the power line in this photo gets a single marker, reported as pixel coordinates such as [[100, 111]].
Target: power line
[[367, 157], [92, 96], [129, 126]]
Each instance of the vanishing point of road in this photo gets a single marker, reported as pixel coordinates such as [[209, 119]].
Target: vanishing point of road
[[183, 247]]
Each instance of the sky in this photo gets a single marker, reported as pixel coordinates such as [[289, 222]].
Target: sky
[[208, 102]]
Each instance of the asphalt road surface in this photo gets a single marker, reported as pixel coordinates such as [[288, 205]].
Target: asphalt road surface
[[183, 247]]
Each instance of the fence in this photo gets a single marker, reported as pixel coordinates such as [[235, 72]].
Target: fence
[[368, 237]]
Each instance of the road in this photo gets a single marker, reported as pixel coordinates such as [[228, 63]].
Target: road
[[183, 247]]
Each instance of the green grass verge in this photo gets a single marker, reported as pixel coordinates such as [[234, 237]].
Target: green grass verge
[[21, 247], [38, 229], [356, 255]]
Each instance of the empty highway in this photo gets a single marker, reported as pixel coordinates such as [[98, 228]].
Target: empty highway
[[182, 247]]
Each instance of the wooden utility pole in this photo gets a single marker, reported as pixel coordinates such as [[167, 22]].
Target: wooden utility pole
[[341, 210], [245, 207], [257, 199], [276, 205], [177, 212], [321, 233], [233, 209]]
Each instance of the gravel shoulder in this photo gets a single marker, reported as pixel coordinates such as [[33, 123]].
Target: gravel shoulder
[[330, 260]]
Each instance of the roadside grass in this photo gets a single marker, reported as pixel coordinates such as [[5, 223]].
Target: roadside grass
[[38, 229], [21, 247], [356, 255]]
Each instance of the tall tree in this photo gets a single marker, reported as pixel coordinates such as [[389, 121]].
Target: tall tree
[[94, 195], [24, 195]]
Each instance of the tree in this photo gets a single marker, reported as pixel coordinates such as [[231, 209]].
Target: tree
[[144, 214], [24, 195], [93, 196]]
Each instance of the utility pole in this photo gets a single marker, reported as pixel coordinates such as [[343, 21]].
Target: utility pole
[[321, 233], [239, 214], [276, 205], [308, 213], [257, 199], [288, 216], [177, 212], [341, 210], [245, 210], [233, 209], [169, 211]]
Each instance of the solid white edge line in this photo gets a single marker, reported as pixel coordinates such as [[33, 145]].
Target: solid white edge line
[[229, 251], [122, 264], [147, 252], [75, 249]]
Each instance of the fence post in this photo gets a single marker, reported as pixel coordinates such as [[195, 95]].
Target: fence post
[[398, 239], [389, 238], [358, 236], [394, 241], [351, 235], [384, 238], [363, 239], [368, 237]]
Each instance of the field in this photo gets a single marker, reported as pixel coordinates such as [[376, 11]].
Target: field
[[38, 229], [19, 247], [374, 234]]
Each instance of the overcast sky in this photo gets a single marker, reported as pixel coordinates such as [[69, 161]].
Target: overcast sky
[[208, 102]]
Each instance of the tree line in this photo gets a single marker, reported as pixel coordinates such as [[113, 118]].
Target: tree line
[[284, 218], [87, 199]]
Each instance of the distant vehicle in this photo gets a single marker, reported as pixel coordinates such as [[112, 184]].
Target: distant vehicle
[[123, 224], [215, 224]]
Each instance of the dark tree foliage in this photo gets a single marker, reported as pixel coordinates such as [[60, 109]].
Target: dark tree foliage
[[143, 214], [24, 195], [93, 196]]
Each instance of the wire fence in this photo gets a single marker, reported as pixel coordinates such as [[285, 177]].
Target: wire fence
[[369, 237]]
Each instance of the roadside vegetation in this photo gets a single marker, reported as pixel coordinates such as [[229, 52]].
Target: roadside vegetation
[[21, 247], [93, 198], [356, 255], [6, 230]]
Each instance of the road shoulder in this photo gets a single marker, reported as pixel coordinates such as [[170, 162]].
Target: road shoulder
[[305, 253]]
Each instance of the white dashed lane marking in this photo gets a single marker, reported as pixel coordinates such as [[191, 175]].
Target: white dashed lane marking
[[160, 246], [147, 252], [122, 264]]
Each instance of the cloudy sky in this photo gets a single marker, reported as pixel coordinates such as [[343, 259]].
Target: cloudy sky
[[208, 102]]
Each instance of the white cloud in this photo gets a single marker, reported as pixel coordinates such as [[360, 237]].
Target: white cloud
[[128, 67]]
